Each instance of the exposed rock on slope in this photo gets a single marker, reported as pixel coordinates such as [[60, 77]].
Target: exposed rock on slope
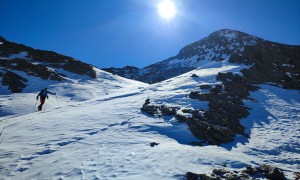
[[268, 62], [14, 82], [263, 171], [220, 123], [46, 65]]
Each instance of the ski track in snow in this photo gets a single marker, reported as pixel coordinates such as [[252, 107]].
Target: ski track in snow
[[108, 137]]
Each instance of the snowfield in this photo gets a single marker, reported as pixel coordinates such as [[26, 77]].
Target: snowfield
[[95, 130]]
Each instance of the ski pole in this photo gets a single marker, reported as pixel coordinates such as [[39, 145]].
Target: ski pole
[[34, 106]]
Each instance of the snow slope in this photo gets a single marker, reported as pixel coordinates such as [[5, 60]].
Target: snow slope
[[77, 88], [108, 137]]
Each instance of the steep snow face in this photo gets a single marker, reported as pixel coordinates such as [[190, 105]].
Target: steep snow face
[[108, 137]]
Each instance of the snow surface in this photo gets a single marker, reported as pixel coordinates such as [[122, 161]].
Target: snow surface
[[97, 131], [21, 55], [229, 35]]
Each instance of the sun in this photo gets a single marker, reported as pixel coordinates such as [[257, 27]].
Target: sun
[[166, 9]]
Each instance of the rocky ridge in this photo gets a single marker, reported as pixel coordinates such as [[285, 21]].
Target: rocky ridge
[[271, 61], [17, 60]]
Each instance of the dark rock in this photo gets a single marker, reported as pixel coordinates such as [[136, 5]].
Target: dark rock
[[297, 175], [150, 109], [250, 170], [127, 72], [168, 111], [147, 102], [235, 85], [220, 172], [152, 144], [32, 69], [14, 82], [197, 143], [270, 63], [194, 76], [200, 97], [181, 118], [187, 111], [193, 176], [271, 172], [159, 110], [220, 123], [200, 129], [205, 86], [217, 89], [249, 173]]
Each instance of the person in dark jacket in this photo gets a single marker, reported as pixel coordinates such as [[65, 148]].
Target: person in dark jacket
[[43, 94]]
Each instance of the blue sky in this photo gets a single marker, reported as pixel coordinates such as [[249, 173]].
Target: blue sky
[[116, 33]]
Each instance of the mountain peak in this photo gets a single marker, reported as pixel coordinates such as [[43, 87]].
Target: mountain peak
[[232, 35], [230, 46], [226, 32]]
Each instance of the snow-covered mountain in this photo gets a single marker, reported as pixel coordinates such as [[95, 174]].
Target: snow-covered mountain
[[109, 137], [273, 61], [20, 63], [27, 70], [216, 120]]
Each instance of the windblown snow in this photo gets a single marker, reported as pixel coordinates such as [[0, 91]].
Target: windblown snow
[[95, 130]]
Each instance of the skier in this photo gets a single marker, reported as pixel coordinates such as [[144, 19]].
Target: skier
[[43, 94]]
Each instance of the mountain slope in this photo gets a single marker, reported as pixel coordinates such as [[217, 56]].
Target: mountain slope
[[272, 62], [24, 71], [18, 63], [110, 127], [109, 137]]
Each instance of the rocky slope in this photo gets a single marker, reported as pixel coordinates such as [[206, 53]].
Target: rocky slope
[[272, 62], [19, 62], [266, 63]]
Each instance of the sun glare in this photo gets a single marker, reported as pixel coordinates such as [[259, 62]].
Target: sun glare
[[167, 9]]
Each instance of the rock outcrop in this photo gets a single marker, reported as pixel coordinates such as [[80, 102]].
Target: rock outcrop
[[220, 123], [263, 171], [47, 65], [159, 111], [14, 82]]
